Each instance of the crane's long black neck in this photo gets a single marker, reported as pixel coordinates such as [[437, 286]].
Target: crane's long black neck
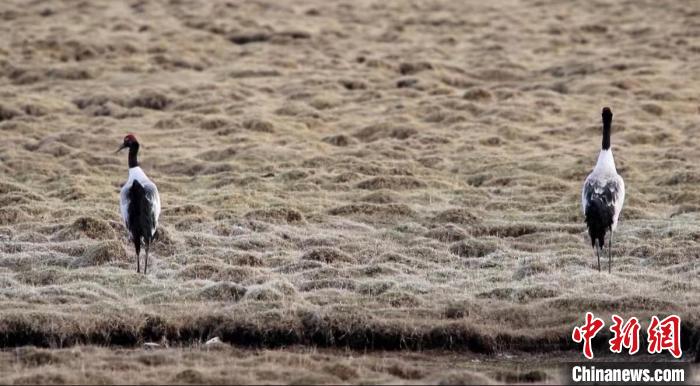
[[133, 152], [607, 122]]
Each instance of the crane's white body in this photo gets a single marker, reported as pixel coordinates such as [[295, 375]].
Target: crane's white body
[[604, 180], [137, 174]]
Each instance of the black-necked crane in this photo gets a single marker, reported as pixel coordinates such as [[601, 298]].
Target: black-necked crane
[[603, 195], [140, 204]]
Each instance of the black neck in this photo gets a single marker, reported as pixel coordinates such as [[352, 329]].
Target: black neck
[[133, 151], [607, 122]]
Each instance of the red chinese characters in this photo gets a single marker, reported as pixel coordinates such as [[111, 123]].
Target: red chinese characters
[[586, 332], [665, 335], [662, 335], [626, 335]]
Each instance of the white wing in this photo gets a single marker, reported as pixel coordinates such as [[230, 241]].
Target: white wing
[[619, 199], [585, 193], [124, 205], [154, 198]]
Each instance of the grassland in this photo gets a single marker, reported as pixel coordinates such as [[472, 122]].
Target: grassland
[[346, 186]]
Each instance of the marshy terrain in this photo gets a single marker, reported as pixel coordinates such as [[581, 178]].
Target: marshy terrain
[[376, 191]]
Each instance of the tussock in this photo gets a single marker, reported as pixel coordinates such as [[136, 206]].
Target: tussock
[[150, 99], [339, 283], [327, 255], [339, 140], [375, 287], [90, 227], [373, 210], [478, 94], [380, 197], [473, 247], [276, 215], [218, 272], [259, 125], [456, 216], [353, 84], [448, 233], [392, 183], [12, 216], [408, 68], [7, 113], [530, 267], [384, 130], [42, 277], [221, 292], [102, 253], [214, 123], [460, 309]]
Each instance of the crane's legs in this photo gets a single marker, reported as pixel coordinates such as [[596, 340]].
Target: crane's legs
[[145, 263], [138, 261], [610, 252], [597, 253]]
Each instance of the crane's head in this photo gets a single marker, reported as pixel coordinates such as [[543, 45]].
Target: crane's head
[[129, 142], [607, 115]]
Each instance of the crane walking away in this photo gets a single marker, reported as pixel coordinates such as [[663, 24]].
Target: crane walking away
[[140, 204], [603, 195]]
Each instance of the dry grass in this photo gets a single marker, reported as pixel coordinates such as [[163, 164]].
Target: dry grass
[[365, 176], [227, 365]]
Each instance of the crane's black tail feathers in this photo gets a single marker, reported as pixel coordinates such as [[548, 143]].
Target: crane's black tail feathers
[[599, 219], [141, 217]]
